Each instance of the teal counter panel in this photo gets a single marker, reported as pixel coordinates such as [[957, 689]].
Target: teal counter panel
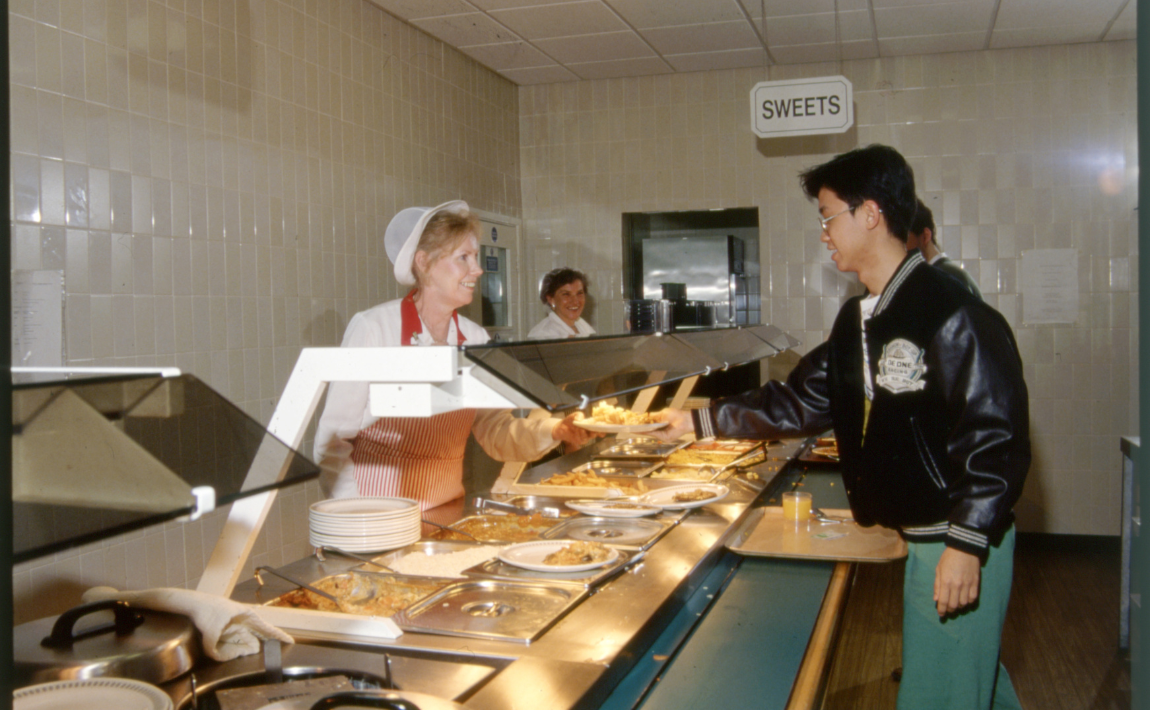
[[747, 650]]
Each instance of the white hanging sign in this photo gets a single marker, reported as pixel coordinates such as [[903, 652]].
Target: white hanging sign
[[802, 107]]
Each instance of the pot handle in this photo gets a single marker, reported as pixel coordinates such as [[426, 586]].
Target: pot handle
[[352, 699], [62, 636]]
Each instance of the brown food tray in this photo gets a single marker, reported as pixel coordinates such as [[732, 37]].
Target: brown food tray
[[766, 533]]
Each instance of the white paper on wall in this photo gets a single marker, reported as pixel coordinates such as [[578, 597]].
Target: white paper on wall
[[37, 318], [1049, 286]]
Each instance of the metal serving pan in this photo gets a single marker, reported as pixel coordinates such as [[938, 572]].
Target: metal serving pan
[[623, 533], [498, 528], [618, 467], [492, 609], [497, 569], [639, 448]]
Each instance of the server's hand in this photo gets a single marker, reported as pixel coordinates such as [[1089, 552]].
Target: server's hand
[[956, 581], [571, 435], [679, 423]]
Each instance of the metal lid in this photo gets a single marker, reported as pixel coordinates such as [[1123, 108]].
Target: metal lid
[[105, 639]]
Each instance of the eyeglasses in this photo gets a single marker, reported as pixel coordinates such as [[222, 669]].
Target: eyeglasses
[[823, 221]]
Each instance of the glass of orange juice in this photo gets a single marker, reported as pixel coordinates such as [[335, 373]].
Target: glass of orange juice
[[797, 505]]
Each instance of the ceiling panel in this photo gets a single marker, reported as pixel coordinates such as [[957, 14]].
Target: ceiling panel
[[562, 20], [709, 37], [600, 47], [465, 30], [643, 14], [545, 41]]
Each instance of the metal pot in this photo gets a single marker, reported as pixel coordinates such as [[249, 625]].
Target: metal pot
[[151, 646]]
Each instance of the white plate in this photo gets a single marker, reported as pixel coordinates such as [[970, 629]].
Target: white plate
[[370, 507], [592, 425], [605, 508], [92, 694], [665, 497], [529, 555]]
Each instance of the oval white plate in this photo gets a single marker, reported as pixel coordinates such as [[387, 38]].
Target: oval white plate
[[92, 694], [529, 555], [607, 509], [592, 425], [665, 497], [381, 506]]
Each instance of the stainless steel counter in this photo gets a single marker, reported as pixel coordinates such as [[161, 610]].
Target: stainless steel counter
[[580, 659]]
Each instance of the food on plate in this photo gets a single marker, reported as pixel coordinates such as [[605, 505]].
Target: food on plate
[[593, 480], [604, 413], [693, 495], [497, 528], [626, 506], [685, 473], [578, 553], [361, 594]]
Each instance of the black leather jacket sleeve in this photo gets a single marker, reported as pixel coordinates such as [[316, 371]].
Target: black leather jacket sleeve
[[798, 407], [988, 442]]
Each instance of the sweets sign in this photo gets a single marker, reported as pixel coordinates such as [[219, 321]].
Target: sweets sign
[[802, 107]]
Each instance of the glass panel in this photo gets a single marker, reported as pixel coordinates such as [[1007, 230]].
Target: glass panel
[[732, 346], [560, 373], [774, 336], [96, 458]]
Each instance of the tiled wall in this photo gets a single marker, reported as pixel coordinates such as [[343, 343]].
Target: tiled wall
[[214, 178], [1013, 150]]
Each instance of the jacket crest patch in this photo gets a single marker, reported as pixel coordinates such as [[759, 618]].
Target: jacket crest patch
[[901, 367]]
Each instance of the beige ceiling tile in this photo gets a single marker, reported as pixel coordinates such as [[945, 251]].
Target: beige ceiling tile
[[1035, 36], [1018, 14], [932, 44], [866, 49], [595, 48], [784, 8], [539, 75], [707, 61], [466, 30], [508, 4], [508, 55], [643, 14], [904, 4], [621, 68], [709, 37], [414, 9], [806, 53], [561, 20], [943, 19], [1125, 27], [801, 29]]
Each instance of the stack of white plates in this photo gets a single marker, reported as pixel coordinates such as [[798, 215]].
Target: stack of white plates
[[364, 524]]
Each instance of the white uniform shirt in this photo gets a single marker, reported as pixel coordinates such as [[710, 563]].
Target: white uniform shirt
[[553, 328], [503, 436]]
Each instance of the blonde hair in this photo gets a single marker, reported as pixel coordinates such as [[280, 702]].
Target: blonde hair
[[443, 233]]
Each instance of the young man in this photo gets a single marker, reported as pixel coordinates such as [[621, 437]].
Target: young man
[[923, 237], [923, 385]]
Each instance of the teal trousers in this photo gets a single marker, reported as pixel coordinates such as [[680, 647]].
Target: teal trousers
[[952, 663]]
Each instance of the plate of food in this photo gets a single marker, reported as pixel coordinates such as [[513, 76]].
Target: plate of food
[[559, 555], [614, 508], [693, 495], [829, 452], [609, 419]]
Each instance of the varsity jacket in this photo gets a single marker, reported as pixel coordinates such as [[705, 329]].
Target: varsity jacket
[[945, 448]]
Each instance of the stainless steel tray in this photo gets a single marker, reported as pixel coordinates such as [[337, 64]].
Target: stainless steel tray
[[492, 609], [618, 467], [639, 449], [624, 533], [497, 569], [496, 528], [426, 547]]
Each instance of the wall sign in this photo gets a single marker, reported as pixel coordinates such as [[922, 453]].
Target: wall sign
[[802, 107]]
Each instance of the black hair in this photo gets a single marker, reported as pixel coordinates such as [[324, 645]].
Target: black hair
[[876, 172], [556, 279], [922, 221]]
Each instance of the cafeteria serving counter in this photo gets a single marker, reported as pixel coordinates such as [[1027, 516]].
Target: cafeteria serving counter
[[691, 624]]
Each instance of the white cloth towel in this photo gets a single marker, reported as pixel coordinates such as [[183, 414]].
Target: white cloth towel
[[230, 629]]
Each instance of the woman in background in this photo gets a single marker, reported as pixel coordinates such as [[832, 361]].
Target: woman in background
[[436, 251], [564, 291]]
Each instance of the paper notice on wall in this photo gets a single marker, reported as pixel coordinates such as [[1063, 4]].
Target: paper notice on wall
[[37, 318], [1049, 286]]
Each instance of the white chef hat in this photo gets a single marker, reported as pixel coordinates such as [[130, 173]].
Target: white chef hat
[[403, 232]]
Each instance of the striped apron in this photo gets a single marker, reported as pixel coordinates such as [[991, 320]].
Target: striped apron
[[414, 457]]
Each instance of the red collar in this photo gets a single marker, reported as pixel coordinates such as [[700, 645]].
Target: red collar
[[411, 325]]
